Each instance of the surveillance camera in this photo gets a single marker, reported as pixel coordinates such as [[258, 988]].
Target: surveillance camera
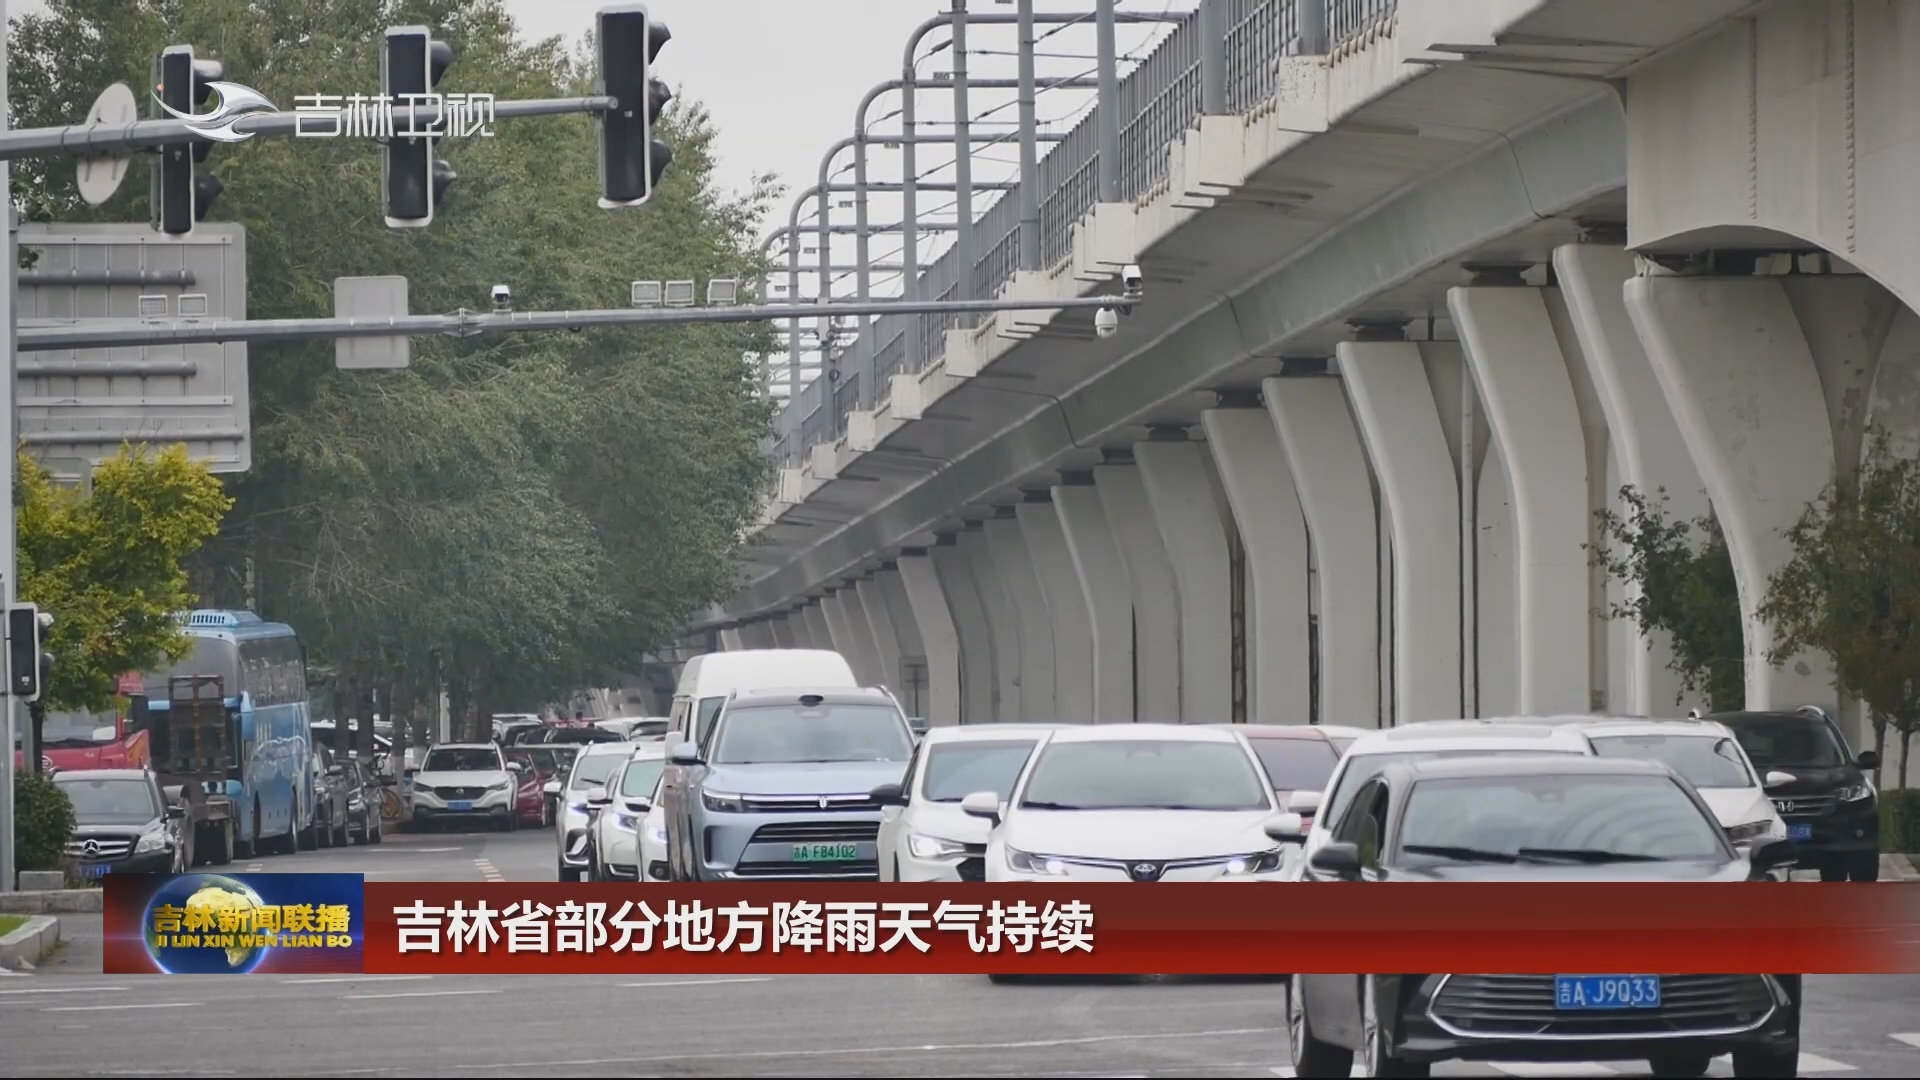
[[503, 298], [1106, 322], [1133, 280]]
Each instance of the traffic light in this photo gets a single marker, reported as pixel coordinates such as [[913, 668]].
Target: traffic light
[[631, 159], [180, 195], [412, 180], [28, 667]]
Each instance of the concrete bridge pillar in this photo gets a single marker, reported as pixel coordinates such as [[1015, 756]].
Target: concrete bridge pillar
[[757, 635], [818, 635], [1070, 614], [1003, 623], [1394, 402], [1330, 473], [1258, 481], [872, 604], [1102, 576], [979, 676], [730, 641], [783, 631], [1018, 575], [1156, 598], [840, 631], [1190, 512], [939, 639]]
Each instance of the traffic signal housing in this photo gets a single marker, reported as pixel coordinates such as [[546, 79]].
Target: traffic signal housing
[[28, 665], [412, 180], [181, 194], [632, 161]]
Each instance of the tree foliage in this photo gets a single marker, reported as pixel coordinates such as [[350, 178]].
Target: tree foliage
[[516, 514], [1852, 589], [109, 564], [42, 821], [1684, 586]]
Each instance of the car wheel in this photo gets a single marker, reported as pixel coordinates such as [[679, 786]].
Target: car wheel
[[1376, 1053], [1681, 1066], [1864, 867], [513, 820], [375, 827], [1003, 980], [1766, 1064], [568, 873], [1312, 1059], [546, 814], [322, 836], [223, 854], [1833, 868]]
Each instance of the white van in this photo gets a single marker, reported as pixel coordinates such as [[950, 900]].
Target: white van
[[707, 679]]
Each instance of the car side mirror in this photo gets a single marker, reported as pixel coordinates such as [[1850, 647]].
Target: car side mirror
[[175, 812], [410, 773], [597, 797], [1769, 855], [1778, 779], [552, 788], [336, 770], [982, 804], [888, 795], [1337, 860], [684, 754], [517, 766], [1868, 761], [1304, 803], [1287, 828]]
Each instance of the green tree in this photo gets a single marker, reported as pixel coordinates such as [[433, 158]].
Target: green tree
[[1852, 591], [511, 516], [109, 565], [1684, 586]]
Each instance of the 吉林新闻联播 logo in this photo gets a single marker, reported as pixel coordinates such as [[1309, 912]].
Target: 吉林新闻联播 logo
[[236, 102]]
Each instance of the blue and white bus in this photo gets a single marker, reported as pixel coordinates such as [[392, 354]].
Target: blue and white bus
[[264, 670]]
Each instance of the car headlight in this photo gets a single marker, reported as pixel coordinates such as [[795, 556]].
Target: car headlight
[[1856, 792], [153, 841], [1752, 830], [1265, 862], [501, 786], [934, 847], [722, 802], [625, 822], [657, 834], [1024, 863]]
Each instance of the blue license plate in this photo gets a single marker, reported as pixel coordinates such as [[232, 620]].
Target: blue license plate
[[459, 806], [96, 870], [1606, 991], [1799, 833]]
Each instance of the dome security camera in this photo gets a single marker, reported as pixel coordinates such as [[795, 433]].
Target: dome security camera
[[1106, 322]]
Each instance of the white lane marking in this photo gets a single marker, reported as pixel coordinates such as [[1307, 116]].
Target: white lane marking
[[81, 990], [1910, 1040], [144, 1005], [699, 982], [417, 994], [864, 1051], [255, 868], [406, 849], [488, 870], [10, 973], [1816, 1063], [1287, 1071], [1570, 1068], [351, 979]]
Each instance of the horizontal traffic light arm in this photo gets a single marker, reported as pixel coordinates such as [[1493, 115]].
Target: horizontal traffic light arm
[[98, 334], [94, 140]]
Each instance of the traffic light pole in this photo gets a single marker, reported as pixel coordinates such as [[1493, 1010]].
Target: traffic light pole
[[8, 877], [101, 335]]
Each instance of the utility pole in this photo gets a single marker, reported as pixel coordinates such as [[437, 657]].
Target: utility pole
[[9, 877]]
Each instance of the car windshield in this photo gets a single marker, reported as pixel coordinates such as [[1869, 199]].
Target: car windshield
[[709, 709], [462, 759], [1296, 764], [110, 800], [641, 776], [1706, 761], [1554, 818], [68, 727], [1367, 766], [957, 770], [1790, 742], [1145, 774], [593, 770], [796, 734]]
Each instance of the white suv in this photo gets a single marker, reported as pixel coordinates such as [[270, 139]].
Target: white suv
[[592, 768], [1708, 756], [465, 782]]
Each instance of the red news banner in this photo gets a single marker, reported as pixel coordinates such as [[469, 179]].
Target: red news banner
[[1124, 928]]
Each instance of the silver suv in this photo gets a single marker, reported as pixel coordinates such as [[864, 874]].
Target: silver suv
[[781, 787]]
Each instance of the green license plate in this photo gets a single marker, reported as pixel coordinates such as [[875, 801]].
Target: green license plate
[[826, 852]]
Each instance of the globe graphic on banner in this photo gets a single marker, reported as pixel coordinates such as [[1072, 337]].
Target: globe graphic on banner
[[203, 898]]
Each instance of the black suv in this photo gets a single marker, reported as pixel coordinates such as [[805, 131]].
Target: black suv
[[1819, 787]]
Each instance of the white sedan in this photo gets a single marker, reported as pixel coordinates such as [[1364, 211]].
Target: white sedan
[[653, 837], [924, 834], [619, 810], [1706, 755], [1137, 802]]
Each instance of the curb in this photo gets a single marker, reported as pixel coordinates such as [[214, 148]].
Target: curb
[[1898, 868], [27, 946], [37, 903]]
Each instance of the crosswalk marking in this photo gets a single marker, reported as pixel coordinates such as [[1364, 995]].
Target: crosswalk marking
[[488, 870], [1814, 1063], [1910, 1040]]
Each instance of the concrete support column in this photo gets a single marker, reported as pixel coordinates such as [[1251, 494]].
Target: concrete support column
[[1399, 421], [1102, 576], [730, 641], [1329, 467], [1010, 659], [1156, 598], [1182, 489], [870, 669], [1738, 372], [886, 643], [1259, 486], [893, 597], [757, 635], [819, 634], [979, 683], [840, 633], [1068, 610], [1521, 374], [782, 628], [1649, 450], [939, 639], [1028, 604]]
